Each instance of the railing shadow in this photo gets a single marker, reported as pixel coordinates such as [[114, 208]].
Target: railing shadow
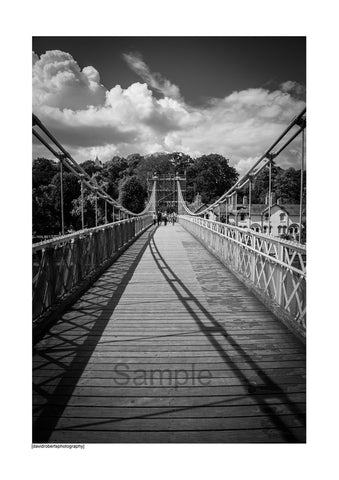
[[60, 351], [268, 388], [94, 310]]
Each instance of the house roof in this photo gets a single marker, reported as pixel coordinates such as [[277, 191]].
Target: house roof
[[256, 208], [291, 209], [202, 207]]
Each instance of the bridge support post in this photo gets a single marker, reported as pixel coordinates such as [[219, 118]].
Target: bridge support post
[[62, 195], [82, 202], [235, 206], [301, 181], [96, 208], [249, 203], [269, 195]]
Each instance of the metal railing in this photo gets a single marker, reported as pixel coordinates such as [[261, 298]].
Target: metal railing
[[60, 265], [275, 269]]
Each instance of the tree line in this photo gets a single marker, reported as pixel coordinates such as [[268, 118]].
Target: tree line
[[125, 179]]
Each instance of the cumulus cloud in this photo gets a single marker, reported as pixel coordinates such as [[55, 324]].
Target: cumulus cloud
[[293, 87], [154, 80], [91, 120], [59, 82]]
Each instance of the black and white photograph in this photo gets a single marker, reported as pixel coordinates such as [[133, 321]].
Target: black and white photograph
[[169, 239], [169, 267]]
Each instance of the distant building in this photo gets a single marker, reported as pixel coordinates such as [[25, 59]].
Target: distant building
[[97, 162], [284, 219]]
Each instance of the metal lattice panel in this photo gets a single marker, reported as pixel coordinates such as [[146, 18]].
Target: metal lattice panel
[[275, 268]]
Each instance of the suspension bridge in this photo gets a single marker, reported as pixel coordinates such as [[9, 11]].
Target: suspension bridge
[[193, 332]]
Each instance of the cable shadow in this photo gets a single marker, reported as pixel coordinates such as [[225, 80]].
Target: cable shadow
[[45, 424], [268, 388], [162, 411], [54, 411]]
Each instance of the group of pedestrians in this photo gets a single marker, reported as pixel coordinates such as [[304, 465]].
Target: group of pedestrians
[[159, 218]]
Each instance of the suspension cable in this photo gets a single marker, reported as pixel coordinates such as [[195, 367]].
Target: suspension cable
[[266, 157], [80, 173]]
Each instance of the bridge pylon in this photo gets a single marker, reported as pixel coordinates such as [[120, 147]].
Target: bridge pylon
[[166, 190]]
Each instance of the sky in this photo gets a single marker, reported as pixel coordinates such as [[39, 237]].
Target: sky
[[106, 96]]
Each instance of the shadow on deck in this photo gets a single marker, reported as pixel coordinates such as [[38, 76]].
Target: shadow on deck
[[257, 391]]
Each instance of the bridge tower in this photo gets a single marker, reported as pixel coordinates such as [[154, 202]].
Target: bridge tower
[[166, 191]]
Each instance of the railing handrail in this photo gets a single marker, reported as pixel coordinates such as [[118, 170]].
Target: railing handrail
[[81, 233], [274, 269], [290, 243], [63, 267]]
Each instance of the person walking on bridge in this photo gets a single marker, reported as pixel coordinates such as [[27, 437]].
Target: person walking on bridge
[[154, 218], [165, 218], [159, 218]]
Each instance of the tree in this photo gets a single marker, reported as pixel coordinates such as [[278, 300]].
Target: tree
[[211, 176], [45, 217], [90, 167], [43, 171], [132, 194], [133, 162], [180, 161], [111, 173], [157, 162], [260, 185], [285, 185], [71, 190]]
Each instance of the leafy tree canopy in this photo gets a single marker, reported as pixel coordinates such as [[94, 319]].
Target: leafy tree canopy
[[43, 171], [90, 167], [125, 179], [211, 176], [285, 185], [132, 194]]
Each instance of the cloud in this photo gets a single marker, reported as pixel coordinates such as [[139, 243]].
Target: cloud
[[59, 82], [294, 88], [91, 120], [154, 80]]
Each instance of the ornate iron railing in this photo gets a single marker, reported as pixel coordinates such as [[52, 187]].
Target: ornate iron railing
[[60, 265], [274, 268]]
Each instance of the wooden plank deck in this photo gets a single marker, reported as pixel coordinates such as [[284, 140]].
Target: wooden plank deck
[[168, 307]]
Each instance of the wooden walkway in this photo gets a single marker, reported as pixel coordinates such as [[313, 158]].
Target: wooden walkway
[[123, 364]]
